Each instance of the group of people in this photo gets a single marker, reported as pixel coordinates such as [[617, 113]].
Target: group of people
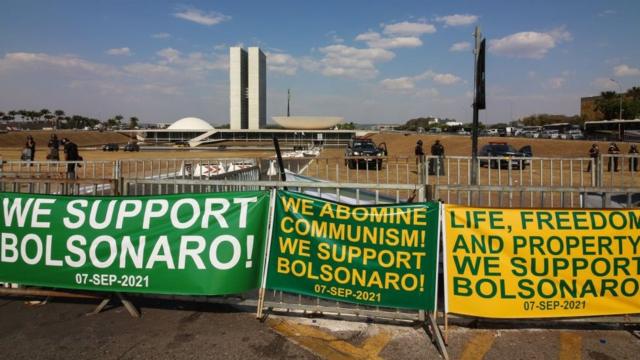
[[436, 165], [70, 150], [613, 163]]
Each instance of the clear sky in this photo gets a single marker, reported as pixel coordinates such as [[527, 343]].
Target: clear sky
[[368, 61]]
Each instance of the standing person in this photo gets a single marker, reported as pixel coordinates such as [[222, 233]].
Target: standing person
[[633, 160], [594, 153], [54, 148], [438, 150], [71, 154], [31, 144], [613, 159], [419, 152], [25, 155]]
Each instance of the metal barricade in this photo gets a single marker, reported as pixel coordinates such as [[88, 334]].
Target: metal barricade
[[540, 182], [59, 177], [358, 194]]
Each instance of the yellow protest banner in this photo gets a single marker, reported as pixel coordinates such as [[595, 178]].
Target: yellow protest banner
[[535, 263]]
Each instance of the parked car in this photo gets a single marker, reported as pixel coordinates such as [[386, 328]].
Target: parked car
[[131, 147], [110, 147], [573, 135], [509, 156], [550, 134], [489, 132], [362, 153]]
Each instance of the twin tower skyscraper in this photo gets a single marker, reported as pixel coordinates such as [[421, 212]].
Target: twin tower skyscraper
[[247, 88]]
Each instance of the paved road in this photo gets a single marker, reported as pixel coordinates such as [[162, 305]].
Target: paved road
[[165, 331], [170, 330]]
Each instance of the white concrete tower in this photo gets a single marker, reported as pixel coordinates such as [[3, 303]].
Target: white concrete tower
[[238, 85], [257, 89]]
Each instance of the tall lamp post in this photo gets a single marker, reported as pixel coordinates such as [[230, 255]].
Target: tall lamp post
[[619, 87]]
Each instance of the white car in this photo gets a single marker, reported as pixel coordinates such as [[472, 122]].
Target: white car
[[550, 134]]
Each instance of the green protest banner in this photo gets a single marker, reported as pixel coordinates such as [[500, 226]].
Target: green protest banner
[[371, 255], [189, 244]]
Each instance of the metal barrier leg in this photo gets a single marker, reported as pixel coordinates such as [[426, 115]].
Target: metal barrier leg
[[100, 306], [133, 311], [437, 336]]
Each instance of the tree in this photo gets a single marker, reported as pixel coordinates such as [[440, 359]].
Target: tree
[[498, 125], [608, 105], [133, 122], [49, 118], [22, 113], [7, 118], [43, 113], [634, 93], [59, 117], [414, 124], [347, 126], [544, 119]]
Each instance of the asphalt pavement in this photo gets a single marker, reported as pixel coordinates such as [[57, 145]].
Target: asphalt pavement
[[61, 329]]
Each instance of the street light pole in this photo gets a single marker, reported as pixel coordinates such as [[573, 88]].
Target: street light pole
[[619, 87]]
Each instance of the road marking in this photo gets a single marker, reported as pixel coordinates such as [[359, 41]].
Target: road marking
[[478, 346], [327, 346], [570, 346]]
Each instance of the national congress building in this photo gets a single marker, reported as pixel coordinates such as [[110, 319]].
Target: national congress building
[[247, 88]]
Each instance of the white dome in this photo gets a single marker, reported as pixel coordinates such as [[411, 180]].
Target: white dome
[[190, 123], [307, 122]]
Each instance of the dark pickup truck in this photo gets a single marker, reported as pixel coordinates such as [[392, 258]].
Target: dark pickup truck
[[363, 153], [507, 154]]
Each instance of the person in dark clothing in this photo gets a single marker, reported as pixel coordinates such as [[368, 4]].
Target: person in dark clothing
[[71, 154], [419, 152], [437, 164], [613, 160], [594, 153], [31, 144], [54, 148], [633, 160]]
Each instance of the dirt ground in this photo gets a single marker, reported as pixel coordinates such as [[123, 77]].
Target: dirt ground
[[456, 145], [398, 143], [99, 155], [564, 162], [17, 139]]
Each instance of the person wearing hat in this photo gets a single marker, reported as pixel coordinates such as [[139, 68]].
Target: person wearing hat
[[419, 152], [54, 148], [71, 154], [613, 159], [31, 144], [594, 153], [437, 164], [633, 160]]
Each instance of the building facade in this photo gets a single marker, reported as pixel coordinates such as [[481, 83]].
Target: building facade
[[257, 89], [238, 84], [588, 109], [247, 88]]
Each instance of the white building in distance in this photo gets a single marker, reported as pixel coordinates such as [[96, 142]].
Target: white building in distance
[[247, 88], [238, 87]]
